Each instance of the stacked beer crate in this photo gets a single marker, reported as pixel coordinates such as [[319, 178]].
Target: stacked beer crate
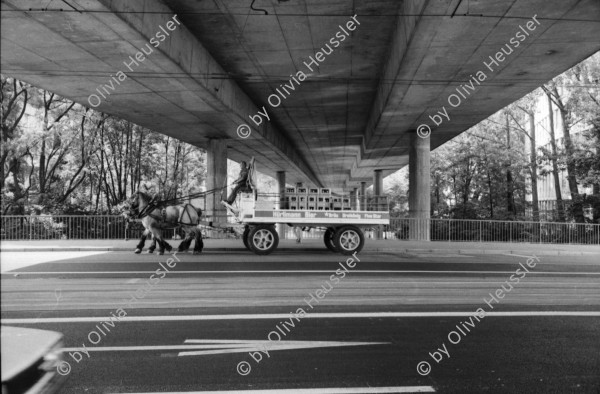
[[346, 206], [336, 203], [324, 199], [291, 198], [313, 199], [340, 203], [313, 195], [302, 194]]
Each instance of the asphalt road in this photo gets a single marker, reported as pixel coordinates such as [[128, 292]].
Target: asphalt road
[[392, 323]]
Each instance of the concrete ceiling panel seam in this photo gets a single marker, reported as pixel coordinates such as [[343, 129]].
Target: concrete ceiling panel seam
[[175, 47]]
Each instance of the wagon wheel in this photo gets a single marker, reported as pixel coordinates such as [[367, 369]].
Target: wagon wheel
[[263, 239], [349, 240]]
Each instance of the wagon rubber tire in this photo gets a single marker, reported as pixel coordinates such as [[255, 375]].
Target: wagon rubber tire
[[328, 240], [245, 238], [263, 239], [349, 240]]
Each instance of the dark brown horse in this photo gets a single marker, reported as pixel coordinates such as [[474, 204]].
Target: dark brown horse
[[158, 217]]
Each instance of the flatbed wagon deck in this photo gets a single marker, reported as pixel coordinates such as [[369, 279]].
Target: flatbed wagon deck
[[312, 218], [259, 213], [344, 229]]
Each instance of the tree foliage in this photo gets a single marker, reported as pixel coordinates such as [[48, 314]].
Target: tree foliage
[[477, 175], [491, 171], [61, 157]]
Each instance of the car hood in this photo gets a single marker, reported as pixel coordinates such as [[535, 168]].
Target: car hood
[[22, 347]]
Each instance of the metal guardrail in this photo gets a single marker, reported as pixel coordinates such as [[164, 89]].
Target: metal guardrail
[[458, 230], [451, 230]]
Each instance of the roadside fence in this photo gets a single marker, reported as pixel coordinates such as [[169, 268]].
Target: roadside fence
[[458, 230], [44, 227]]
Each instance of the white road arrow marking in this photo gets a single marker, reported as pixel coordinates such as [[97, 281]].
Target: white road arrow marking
[[254, 346], [202, 347]]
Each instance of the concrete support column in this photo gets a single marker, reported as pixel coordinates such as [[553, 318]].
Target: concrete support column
[[377, 185], [353, 199], [419, 196], [296, 229], [216, 178], [377, 200], [281, 203], [363, 197]]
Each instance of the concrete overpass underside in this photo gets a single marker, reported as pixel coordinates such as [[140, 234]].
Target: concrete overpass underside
[[353, 114]]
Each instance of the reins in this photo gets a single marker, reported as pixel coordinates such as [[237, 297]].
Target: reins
[[152, 205]]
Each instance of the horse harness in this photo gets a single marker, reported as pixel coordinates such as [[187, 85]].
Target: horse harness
[[163, 215], [147, 211]]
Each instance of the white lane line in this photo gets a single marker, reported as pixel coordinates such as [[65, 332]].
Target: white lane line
[[296, 272], [443, 255], [520, 255], [329, 390], [333, 315]]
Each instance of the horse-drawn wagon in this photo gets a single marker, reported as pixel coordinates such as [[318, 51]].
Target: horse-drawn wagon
[[256, 216]]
